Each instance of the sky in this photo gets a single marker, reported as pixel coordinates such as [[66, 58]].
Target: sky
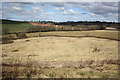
[[60, 11]]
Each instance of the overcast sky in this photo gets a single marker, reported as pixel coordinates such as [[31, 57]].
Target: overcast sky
[[61, 11]]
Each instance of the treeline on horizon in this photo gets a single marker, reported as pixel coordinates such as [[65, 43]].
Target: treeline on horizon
[[74, 26], [58, 23], [68, 22]]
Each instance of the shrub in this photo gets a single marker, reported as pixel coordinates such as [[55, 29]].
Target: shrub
[[105, 76], [82, 74], [27, 75], [52, 74], [6, 40], [21, 35]]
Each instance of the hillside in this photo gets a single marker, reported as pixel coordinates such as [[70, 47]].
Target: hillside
[[16, 26], [24, 26]]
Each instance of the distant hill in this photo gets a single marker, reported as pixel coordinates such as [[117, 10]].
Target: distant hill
[[16, 26], [24, 26], [4, 21]]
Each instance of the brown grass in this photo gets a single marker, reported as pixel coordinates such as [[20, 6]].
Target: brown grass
[[61, 57]]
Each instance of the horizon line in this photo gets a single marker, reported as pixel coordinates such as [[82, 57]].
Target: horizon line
[[57, 21]]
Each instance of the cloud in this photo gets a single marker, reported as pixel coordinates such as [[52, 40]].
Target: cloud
[[59, 8], [61, 11], [0, 10], [105, 9], [101, 8], [108, 10], [37, 9], [56, 8], [69, 12], [14, 10], [61, 4], [17, 8], [60, 0]]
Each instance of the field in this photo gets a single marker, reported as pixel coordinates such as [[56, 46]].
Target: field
[[60, 54], [111, 34], [17, 27]]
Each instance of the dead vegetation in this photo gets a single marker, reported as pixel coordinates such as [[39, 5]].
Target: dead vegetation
[[64, 64], [6, 40], [15, 51], [4, 55], [96, 49], [27, 40], [32, 69]]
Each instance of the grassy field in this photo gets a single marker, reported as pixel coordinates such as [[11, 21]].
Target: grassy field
[[16, 26], [20, 27], [62, 57], [96, 33]]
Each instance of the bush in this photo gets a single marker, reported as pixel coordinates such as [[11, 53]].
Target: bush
[[6, 40], [21, 35]]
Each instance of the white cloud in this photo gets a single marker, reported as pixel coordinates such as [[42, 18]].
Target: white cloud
[[65, 12], [102, 18], [92, 14], [94, 10], [35, 11], [59, 8], [17, 8], [35, 8], [51, 13], [60, 0], [108, 10], [56, 8], [69, 12]]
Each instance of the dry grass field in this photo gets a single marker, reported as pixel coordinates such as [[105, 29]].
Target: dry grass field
[[112, 34], [62, 57]]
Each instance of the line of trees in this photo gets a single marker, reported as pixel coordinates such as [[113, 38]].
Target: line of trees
[[64, 28], [40, 29]]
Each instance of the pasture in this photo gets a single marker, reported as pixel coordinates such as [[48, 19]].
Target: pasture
[[60, 54], [112, 34]]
